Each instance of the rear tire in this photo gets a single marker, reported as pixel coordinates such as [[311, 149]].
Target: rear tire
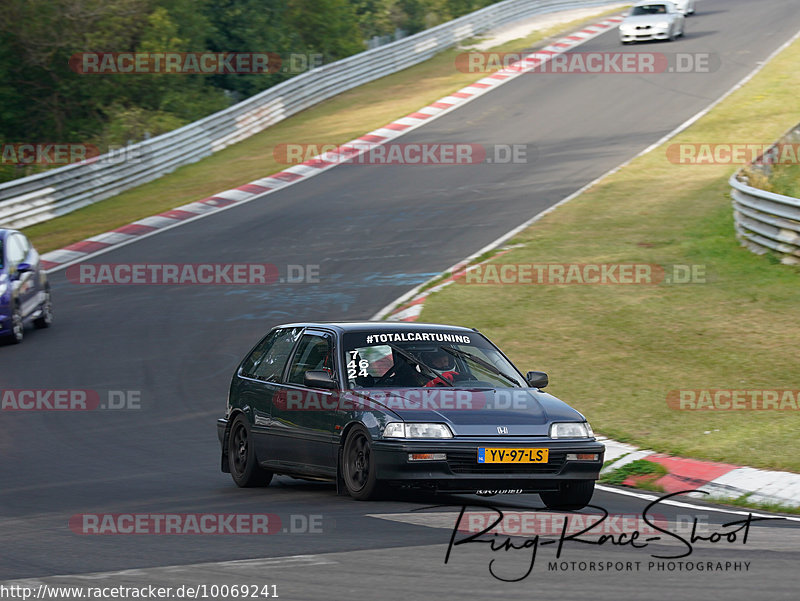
[[45, 320], [572, 495], [244, 467]]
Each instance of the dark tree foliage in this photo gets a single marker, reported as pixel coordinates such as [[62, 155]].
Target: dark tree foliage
[[43, 100]]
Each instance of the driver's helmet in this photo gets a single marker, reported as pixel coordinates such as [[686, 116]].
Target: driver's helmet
[[439, 360]]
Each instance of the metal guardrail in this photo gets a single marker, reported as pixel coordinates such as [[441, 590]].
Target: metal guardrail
[[43, 196], [765, 221]]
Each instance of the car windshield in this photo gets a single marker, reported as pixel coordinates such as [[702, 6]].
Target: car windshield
[[411, 359], [649, 9]]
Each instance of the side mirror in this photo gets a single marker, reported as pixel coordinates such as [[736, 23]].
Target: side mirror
[[319, 378], [23, 268], [537, 379]]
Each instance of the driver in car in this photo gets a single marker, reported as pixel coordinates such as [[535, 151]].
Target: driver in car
[[444, 363]]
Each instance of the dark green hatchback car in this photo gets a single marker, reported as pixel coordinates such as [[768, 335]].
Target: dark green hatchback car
[[376, 405]]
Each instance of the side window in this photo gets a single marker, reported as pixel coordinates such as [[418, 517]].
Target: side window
[[26, 246], [313, 353], [15, 252], [268, 359]]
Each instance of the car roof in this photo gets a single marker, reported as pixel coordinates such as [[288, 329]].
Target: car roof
[[646, 2], [377, 326]]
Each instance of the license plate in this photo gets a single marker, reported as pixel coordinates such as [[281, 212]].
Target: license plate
[[492, 455]]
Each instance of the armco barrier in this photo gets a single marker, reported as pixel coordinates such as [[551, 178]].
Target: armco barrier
[[765, 221], [43, 196]]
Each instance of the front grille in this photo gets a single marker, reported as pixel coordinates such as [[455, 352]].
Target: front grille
[[643, 27], [466, 462]]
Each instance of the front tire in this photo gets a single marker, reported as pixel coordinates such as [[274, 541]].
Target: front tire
[[358, 466], [244, 467], [17, 327], [571, 496], [45, 320]]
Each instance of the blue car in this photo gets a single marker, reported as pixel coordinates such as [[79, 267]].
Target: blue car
[[24, 290]]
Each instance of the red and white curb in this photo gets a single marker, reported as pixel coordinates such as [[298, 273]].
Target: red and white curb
[[719, 480], [79, 251]]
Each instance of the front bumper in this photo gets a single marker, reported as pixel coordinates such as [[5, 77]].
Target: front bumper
[[644, 36], [461, 472]]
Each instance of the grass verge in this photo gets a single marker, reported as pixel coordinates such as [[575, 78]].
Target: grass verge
[[616, 352], [783, 179], [644, 473], [744, 502], [335, 121]]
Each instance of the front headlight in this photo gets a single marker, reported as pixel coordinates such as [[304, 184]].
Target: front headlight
[[398, 430], [571, 430]]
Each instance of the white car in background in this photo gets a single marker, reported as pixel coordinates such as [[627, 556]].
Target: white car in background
[[685, 6], [660, 20]]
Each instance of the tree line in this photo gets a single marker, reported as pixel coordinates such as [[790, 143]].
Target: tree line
[[43, 98]]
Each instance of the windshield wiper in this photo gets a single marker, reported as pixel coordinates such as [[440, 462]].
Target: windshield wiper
[[409, 357], [485, 364]]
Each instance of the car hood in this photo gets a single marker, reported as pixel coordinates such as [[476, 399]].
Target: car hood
[[476, 411], [651, 20]]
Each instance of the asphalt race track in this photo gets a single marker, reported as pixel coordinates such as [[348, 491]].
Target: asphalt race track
[[374, 232]]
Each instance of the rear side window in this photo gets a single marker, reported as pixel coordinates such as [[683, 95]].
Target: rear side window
[[267, 360]]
